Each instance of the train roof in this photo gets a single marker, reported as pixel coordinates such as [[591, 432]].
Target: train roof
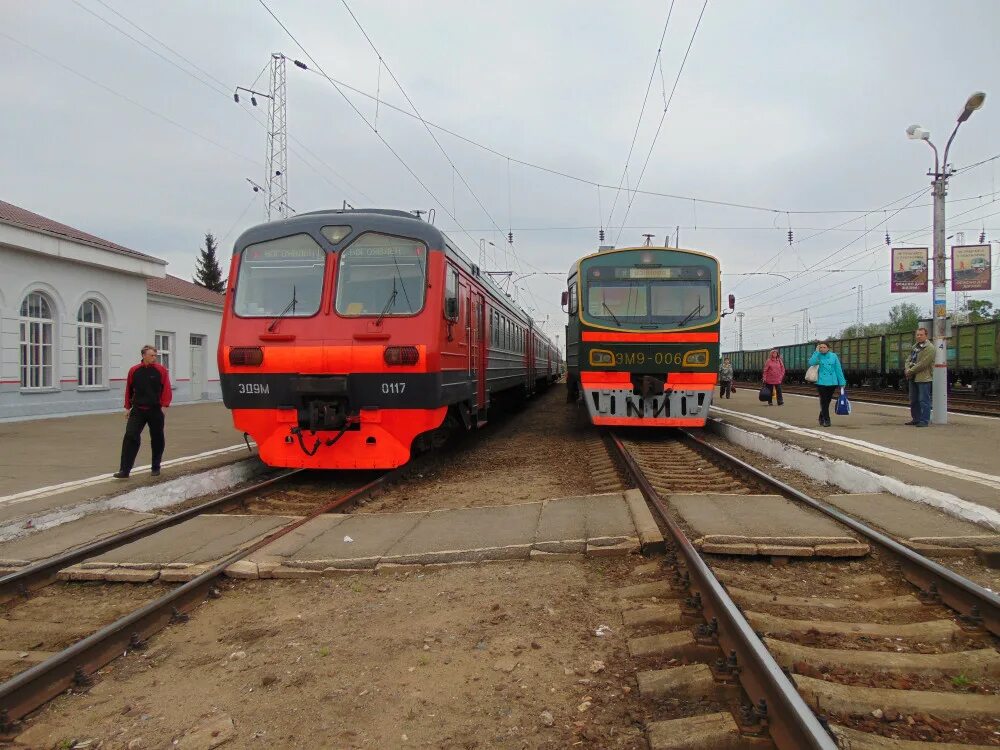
[[387, 220], [609, 250]]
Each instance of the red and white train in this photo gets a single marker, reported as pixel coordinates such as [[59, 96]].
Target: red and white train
[[352, 338]]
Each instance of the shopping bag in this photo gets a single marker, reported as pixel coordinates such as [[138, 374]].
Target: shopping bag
[[765, 393], [843, 407], [812, 374]]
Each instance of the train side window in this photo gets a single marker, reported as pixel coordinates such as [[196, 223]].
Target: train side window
[[451, 294], [572, 298]]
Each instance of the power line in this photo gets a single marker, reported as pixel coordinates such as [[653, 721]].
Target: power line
[[642, 110], [583, 180], [222, 89], [378, 135], [663, 117], [430, 132], [131, 101]]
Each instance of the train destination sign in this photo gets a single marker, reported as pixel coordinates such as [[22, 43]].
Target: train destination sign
[[970, 268], [909, 269]]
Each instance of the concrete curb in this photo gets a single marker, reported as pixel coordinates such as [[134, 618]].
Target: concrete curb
[[145, 498], [851, 478]]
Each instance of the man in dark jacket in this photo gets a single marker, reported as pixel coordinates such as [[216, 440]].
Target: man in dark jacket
[[920, 372], [147, 394]]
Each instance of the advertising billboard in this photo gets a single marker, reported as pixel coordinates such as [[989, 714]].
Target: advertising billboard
[[970, 268], [909, 269]]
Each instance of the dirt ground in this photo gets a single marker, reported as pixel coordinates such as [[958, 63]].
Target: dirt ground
[[531, 455], [460, 657]]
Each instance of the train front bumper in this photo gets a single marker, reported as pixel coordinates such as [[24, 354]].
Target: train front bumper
[[613, 406]]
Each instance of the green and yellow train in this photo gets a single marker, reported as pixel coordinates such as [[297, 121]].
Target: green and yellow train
[[642, 336]]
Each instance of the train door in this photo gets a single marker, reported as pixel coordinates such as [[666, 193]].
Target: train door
[[479, 351], [529, 358]]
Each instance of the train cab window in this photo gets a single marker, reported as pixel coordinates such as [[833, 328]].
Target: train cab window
[[381, 275], [451, 294], [280, 277], [572, 298]]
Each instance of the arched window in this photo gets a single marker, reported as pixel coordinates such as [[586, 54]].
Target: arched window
[[90, 345], [36, 342]]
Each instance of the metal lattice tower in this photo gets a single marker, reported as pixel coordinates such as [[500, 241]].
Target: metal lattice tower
[[277, 142], [739, 335], [861, 305]]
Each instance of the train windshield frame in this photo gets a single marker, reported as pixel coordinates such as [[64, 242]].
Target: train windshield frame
[[649, 290], [381, 275], [282, 277]]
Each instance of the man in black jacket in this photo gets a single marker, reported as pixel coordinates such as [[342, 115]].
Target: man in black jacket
[[147, 394]]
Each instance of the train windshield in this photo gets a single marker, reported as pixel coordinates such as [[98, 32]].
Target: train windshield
[[660, 290], [382, 275], [280, 277]]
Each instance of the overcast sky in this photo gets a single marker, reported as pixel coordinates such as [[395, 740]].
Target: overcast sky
[[790, 106]]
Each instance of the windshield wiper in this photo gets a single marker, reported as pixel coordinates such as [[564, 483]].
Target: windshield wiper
[[388, 303], [289, 307], [690, 315], [615, 317]]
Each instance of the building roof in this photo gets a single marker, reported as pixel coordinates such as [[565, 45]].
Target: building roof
[[171, 286], [20, 217]]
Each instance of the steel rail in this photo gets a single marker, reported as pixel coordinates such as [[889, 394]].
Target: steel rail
[[32, 688], [43, 572], [975, 603], [792, 724]]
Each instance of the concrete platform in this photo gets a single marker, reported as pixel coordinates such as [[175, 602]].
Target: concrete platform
[[41, 545], [914, 524], [55, 463], [178, 553], [593, 525], [953, 467], [762, 525]]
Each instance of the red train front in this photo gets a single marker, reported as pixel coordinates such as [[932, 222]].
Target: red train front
[[349, 337]]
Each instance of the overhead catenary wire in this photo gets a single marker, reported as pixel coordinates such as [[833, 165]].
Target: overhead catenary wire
[[642, 110], [413, 106], [220, 87], [663, 117]]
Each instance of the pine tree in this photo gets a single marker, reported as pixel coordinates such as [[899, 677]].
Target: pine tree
[[207, 271]]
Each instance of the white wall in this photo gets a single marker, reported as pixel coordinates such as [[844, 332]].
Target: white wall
[[181, 319], [67, 284]]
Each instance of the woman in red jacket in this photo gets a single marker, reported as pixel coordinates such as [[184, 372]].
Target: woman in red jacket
[[774, 373]]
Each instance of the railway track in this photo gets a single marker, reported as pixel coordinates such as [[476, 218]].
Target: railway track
[[120, 619], [814, 653], [959, 404]]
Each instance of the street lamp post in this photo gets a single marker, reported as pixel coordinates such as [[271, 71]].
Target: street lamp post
[[941, 173]]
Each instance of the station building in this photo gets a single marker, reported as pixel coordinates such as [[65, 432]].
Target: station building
[[76, 309]]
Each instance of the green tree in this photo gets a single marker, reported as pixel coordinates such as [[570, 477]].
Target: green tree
[[903, 317], [859, 330], [207, 272], [981, 310]]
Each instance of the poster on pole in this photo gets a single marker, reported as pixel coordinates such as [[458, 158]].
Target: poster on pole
[[970, 268], [909, 269]]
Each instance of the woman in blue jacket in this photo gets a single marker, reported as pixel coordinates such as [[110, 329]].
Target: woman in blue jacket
[[831, 375]]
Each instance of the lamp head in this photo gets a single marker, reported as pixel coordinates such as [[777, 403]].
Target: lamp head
[[973, 103], [917, 133]]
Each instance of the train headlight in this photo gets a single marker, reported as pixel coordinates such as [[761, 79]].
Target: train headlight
[[246, 355], [601, 358], [696, 358], [401, 355]]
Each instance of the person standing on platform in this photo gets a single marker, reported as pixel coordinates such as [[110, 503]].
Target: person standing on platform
[[920, 372], [774, 374], [147, 394], [726, 379], [829, 377]]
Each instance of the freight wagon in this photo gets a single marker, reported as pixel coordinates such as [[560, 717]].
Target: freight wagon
[[878, 360]]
